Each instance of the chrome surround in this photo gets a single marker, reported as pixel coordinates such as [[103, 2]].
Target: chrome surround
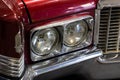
[[114, 59], [101, 5], [63, 23], [96, 28], [107, 3], [19, 39], [37, 69], [13, 67], [18, 43]]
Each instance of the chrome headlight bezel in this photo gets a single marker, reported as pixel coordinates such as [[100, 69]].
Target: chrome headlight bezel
[[61, 48]]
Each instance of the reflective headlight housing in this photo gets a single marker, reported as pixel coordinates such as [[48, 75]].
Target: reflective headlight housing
[[75, 33], [43, 41], [61, 37]]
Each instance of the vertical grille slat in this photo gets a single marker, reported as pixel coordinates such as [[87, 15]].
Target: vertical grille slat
[[109, 30]]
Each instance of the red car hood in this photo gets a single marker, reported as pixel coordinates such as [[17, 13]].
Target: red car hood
[[45, 9]]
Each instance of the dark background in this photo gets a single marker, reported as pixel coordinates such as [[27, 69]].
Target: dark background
[[76, 77]]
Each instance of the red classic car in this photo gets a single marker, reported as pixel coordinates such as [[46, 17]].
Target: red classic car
[[46, 39]]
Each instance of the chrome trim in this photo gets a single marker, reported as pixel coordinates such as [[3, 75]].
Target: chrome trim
[[114, 59], [19, 39], [64, 64], [18, 43], [89, 20], [11, 66], [108, 3], [36, 69], [96, 28]]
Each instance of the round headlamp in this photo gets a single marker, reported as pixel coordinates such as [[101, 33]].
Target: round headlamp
[[75, 33], [43, 41]]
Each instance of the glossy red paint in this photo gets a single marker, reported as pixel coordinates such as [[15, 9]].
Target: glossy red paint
[[9, 21], [46, 9], [24, 15], [28, 28], [96, 1]]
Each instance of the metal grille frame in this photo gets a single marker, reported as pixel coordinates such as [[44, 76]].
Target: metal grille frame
[[107, 27], [109, 56]]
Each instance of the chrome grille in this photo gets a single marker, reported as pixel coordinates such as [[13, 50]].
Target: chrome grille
[[11, 66], [109, 28]]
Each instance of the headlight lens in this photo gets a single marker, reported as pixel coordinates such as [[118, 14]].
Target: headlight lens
[[75, 33], [44, 41]]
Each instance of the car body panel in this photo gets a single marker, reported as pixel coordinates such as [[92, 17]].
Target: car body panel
[[9, 17], [40, 10]]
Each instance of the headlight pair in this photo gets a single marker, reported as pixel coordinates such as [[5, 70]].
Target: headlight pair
[[61, 38]]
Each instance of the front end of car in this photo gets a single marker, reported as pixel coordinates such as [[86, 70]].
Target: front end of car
[[42, 39], [37, 48]]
